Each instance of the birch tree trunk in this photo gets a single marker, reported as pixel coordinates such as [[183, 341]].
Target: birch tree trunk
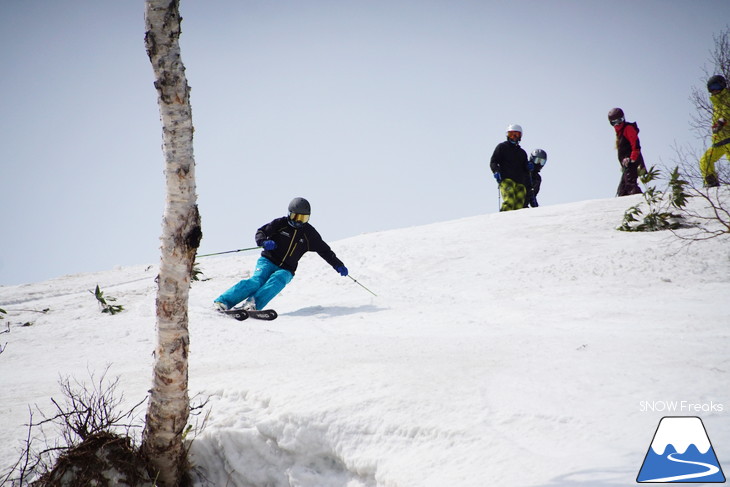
[[167, 413]]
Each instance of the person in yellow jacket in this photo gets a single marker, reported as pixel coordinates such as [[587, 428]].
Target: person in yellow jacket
[[720, 98]]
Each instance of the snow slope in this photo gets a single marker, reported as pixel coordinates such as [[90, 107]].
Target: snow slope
[[505, 349]]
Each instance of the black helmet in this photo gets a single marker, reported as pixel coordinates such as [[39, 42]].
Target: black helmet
[[299, 211], [539, 157], [301, 206], [716, 83], [615, 116]]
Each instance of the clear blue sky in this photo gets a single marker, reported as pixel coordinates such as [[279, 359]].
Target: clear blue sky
[[383, 113]]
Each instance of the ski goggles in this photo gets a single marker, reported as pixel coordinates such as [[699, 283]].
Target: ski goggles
[[617, 121], [715, 88], [539, 161], [299, 217], [514, 135]]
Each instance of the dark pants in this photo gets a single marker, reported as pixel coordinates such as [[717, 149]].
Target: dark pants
[[629, 184]]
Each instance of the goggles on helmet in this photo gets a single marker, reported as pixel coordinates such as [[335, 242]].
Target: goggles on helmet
[[514, 135], [539, 161], [715, 87], [299, 218], [617, 121]]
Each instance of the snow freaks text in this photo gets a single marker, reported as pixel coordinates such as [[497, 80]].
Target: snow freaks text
[[681, 407]]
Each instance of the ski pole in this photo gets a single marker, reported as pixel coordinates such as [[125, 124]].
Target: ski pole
[[228, 252], [532, 191], [499, 198], [356, 282]]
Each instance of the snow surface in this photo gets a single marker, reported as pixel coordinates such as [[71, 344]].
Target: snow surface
[[509, 349]]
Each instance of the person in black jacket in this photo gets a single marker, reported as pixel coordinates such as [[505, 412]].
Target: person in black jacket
[[284, 240], [535, 163], [509, 166]]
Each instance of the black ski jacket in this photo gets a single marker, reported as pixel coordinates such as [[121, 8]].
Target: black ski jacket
[[292, 243], [510, 160]]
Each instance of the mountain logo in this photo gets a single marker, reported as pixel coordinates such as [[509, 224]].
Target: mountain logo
[[680, 452]]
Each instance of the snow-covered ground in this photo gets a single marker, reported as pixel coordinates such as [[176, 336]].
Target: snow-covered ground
[[530, 348]]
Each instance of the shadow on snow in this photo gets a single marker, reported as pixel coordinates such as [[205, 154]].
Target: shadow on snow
[[331, 311]]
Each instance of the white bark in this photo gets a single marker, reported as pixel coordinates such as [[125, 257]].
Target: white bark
[[169, 404]]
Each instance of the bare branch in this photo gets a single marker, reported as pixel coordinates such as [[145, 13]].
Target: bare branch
[[86, 414]]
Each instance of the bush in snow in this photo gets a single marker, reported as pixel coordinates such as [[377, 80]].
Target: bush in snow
[[660, 207], [104, 302], [94, 445]]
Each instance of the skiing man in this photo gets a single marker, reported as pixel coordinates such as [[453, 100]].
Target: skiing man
[[535, 163], [720, 98], [285, 240], [509, 166], [629, 152]]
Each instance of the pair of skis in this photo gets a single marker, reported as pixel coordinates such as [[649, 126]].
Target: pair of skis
[[258, 314]]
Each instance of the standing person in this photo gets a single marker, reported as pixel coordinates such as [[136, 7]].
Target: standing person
[[720, 98], [535, 163], [284, 240], [629, 152], [509, 166]]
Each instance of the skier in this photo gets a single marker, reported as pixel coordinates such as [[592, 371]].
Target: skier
[[284, 240], [509, 166], [629, 152], [720, 98], [535, 163]]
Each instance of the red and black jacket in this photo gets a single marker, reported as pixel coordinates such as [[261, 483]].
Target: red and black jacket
[[627, 142]]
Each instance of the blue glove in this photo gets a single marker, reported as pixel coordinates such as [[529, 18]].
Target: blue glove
[[269, 245], [498, 177], [342, 270], [530, 166]]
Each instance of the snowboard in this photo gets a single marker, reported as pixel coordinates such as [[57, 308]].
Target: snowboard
[[257, 314]]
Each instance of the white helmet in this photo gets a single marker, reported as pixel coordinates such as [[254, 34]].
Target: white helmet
[[512, 136]]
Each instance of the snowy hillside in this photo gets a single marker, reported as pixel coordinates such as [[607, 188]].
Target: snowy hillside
[[515, 349]]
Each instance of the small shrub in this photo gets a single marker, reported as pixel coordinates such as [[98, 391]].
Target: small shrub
[[106, 307], [94, 442], [197, 274], [658, 214]]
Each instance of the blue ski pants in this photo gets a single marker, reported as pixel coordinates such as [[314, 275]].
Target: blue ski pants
[[266, 282]]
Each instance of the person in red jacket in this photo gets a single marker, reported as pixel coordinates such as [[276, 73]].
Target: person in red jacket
[[629, 152]]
